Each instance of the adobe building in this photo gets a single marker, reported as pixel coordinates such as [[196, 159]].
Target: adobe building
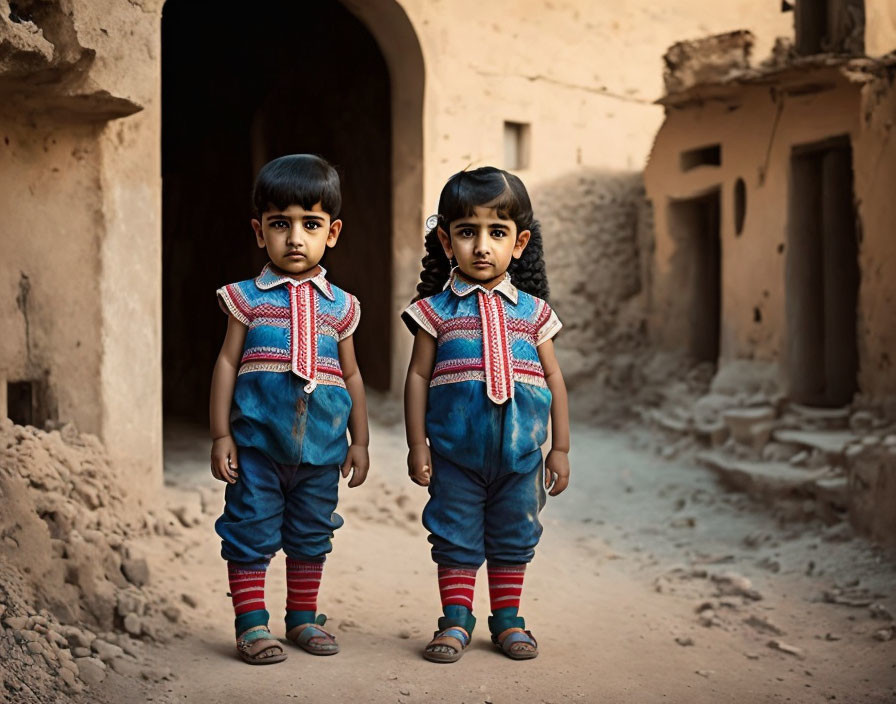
[[773, 195], [130, 132]]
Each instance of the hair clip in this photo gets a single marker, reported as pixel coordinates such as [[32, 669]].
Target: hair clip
[[432, 222]]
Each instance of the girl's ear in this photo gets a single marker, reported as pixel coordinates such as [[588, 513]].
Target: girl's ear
[[522, 240], [259, 233], [445, 239], [333, 234]]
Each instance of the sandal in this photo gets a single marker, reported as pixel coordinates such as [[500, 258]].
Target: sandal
[[441, 649], [517, 644], [257, 646], [313, 639]]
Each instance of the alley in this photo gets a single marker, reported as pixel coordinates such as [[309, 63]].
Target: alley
[[651, 584]]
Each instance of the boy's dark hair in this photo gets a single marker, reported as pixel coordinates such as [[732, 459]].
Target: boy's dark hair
[[297, 179], [507, 194]]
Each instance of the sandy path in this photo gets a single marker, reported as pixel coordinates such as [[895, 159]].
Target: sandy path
[[606, 633]]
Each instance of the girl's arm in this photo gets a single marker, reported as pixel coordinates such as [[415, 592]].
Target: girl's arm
[[416, 389], [556, 466], [224, 459], [357, 456]]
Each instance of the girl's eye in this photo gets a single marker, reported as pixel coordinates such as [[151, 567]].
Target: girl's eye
[[498, 233], [465, 232]]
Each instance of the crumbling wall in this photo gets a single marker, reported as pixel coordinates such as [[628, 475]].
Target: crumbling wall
[[706, 60], [79, 190]]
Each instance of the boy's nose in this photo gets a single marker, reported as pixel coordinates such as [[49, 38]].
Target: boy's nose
[[295, 234], [482, 243]]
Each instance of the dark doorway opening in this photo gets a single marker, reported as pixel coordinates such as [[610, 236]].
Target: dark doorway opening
[[694, 224], [240, 88], [822, 275]]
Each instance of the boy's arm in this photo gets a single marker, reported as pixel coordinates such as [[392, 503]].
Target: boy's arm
[[224, 459], [556, 466], [357, 456], [416, 390]]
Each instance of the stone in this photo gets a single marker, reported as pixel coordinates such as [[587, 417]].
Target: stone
[[106, 651], [189, 600], [135, 569], [785, 648], [750, 426], [125, 666], [91, 670], [133, 624], [763, 625], [189, 513], [16, 622], [131, 601], [832, 443], [861, 421], [885, 634], [79, 651], [880, 611], [172, 613], [763, 479], [734, 584], [684, 641], [76, 637]]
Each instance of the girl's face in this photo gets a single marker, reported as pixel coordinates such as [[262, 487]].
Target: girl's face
[[483, 244]]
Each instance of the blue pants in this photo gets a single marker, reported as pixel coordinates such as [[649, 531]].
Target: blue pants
[[273, 506], [478, 515]]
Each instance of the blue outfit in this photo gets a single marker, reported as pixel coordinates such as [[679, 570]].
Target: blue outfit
[[290, 401], [487, 410], [288, 417]]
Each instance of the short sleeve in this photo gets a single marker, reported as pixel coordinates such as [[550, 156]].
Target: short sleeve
[[421, 316], [350, 319], [232, 302], [547, 324]]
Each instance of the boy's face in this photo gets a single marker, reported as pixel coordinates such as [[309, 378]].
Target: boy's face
[[295, 238], [483, 244]]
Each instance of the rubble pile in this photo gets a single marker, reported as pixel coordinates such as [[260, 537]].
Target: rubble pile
[[817, 462], [74, 596]]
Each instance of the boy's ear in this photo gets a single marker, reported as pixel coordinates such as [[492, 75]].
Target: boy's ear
[[259, 233], [522, 240], [333, 234], [445, 239]]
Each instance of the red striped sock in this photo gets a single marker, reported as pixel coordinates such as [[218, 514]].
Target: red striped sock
[[246, 588], [456, 586], [302, 584], [505, 586]]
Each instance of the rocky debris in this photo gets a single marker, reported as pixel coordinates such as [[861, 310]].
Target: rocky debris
[[832, 443], [885, 634], [750, 426], [854, 596], [706, 60], [734, 584], [761, 479], [785, 648], [763, 625], [880, 611], [72, 577], [684, 641]]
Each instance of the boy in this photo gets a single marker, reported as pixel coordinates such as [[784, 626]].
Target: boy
[[285, 387]]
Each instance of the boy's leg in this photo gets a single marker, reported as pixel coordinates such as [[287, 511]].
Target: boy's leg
[[309, 523], [250, 534], [512, 530]]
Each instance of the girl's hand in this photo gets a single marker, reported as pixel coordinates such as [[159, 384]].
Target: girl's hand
[[358, 458], [556, 472], [419, 464], [224, 460]]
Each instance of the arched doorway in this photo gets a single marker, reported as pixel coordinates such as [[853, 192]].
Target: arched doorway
[[239, 89]]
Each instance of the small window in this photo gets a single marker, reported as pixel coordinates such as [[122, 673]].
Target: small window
[[702, 156], [740, 205], [20, 402], [516, 145]]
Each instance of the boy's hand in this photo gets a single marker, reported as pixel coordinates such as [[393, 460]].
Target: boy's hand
[[420, 464], [358, 458], [224, 459], [556, 472]]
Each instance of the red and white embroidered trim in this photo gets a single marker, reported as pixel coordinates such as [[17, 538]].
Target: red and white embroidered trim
[[495, 348], [303, 341]]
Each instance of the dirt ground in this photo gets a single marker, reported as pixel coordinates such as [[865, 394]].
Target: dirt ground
[[651, 584]]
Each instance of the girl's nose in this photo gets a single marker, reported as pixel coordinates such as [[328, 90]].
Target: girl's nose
[[482, 243]]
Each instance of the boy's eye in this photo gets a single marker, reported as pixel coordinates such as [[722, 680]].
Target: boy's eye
[[465, 232], [312, 225], [499, 233], [278, 224]]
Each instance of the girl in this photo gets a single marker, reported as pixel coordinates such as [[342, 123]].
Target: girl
[[482, 381]]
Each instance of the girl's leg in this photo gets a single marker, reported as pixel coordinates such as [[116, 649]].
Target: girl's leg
[[512, 531]]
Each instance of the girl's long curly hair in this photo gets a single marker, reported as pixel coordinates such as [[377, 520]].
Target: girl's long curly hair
[[506, 193]]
